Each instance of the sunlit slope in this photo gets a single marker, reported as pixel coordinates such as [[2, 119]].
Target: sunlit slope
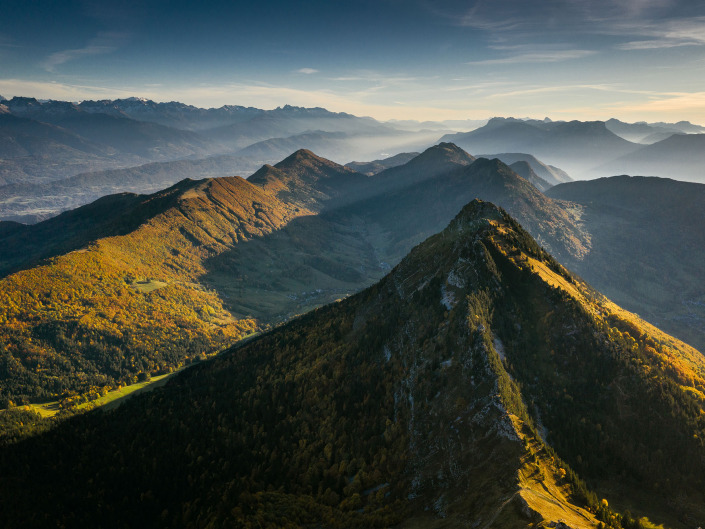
[[131, 303]]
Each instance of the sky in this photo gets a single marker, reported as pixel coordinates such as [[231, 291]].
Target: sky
[[390, 59]]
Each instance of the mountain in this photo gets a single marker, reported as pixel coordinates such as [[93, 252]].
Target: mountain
[[59, 139], [29, 203], [656, 137], [576, 146], [646, 249], [433, 162], [337, 146], [25, 137], [500, 135], [376, 166], [550, 174], [306, 179], [466, 388], [679, 156]]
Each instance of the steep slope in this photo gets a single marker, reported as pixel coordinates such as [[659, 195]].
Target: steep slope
[[524, 170], [417, 402], [552, 175], [111, 215], [646, 248], [355, 230], [680, 156]]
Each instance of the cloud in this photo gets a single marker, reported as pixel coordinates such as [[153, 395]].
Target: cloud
[[546, 56], [104, 42], [307, 71], [664, 34]]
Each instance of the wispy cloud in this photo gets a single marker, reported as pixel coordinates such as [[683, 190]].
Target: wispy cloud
[[105, 42], [307, 71], [374, 77], [7, 42], [537, 57], [664, 34]]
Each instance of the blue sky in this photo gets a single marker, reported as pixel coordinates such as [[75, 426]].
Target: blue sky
[[415, 59]]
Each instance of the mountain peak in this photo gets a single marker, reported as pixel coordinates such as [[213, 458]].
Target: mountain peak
[[437, 158], [306, 179], [448, 150], [302, 155], [474, 213]]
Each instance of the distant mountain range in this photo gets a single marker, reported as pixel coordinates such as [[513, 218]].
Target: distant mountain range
[[648, 133], [679, 156], [46, 142], [576, 146], [594, 149], [94, 135], [472, 386]]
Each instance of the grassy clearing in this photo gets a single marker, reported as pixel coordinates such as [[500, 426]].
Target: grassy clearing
[[114, 398], [148, 285], [109, 401]]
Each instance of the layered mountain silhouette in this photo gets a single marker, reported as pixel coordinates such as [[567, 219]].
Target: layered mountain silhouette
[[549, 174], [679, 156], [472, 385], [45, 142], [576, 146], [646, 133]]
